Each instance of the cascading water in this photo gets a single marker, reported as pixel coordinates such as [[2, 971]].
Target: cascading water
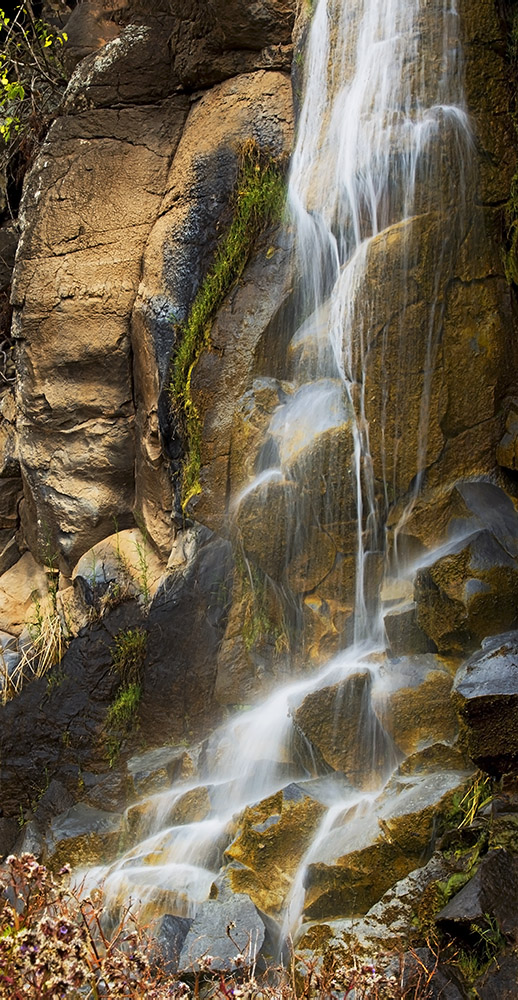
[[381, 151]]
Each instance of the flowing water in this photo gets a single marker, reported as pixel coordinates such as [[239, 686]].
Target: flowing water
[[381, 157]]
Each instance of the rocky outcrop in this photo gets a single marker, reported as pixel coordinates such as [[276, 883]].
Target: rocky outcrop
[[92, 369], [486, 698]]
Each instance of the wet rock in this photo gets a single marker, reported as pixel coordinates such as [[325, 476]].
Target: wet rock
[[499, 982], [266, 542], [55, 724], [169, 934], [271, 839], [436, 757], [191, 807], [208, 935], [82, 836], [448, 513], [340, 723], [178, 254], [412, 701], [156, 770], [507, 451], [390, 923], [55, 799], [187, 621], [106, 792], [492, 893], [30, 841], [404, 636], [470, 592], [371, 848], [485, 695]]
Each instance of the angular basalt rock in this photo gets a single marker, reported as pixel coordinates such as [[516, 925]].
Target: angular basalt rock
[[412, 701], [208, 935], [468, 593], [82, 835], [358, 861], [485, 695], [492, 893], [340, 724], [271, 840]]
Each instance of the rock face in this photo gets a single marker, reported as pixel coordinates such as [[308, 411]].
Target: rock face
[[122, 213], [95, 300]]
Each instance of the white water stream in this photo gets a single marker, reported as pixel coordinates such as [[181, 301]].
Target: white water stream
[[383, 101]]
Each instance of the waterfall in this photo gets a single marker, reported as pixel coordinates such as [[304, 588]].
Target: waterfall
[[381, 156], [383, 102]]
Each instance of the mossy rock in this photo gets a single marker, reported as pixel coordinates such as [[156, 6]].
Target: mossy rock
[[270, 843]]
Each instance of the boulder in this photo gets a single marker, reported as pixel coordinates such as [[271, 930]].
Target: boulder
[[106, 791], [418, 970], [30, 840], [491, 895], [270, 842], [340, 724], [56, 799], [412, 701], [499, 981], [390, 923], [485, 695], [156, 770], [224, 935], [469, 592], [371, 848], [82, 836], [404, 636], [168, 937]]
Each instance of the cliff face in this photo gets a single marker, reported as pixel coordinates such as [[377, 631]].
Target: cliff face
[[122, 214]]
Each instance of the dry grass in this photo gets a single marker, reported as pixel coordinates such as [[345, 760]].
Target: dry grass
[[56, 943]]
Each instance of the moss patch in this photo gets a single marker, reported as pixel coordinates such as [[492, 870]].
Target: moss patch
[[257, 202]]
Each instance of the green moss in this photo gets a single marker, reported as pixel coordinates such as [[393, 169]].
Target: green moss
[[122, 713], [258, 201]]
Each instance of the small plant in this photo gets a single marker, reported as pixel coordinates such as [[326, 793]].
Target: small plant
[[32, 81], [128, 655], [143, 562], [258, 202], [259, 626], [465, 807]]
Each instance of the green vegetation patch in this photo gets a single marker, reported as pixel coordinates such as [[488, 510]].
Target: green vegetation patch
[[258, 201], [128, 655]]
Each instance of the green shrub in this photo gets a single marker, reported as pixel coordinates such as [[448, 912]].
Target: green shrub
[[257, 202], [32, 82]]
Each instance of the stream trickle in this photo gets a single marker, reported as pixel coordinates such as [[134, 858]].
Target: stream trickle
[[383, 144]]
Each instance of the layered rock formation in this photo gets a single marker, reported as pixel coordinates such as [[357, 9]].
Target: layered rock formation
[[121, 216]]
